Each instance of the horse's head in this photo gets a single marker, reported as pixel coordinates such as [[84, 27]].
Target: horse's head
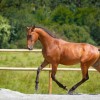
[[32, 37]]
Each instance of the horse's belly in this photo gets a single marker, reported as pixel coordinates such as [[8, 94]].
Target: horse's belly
[[69, 61], [70, 56]]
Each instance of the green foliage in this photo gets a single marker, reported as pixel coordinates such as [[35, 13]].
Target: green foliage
[[4, 32], [62, 15], [85, 16], [96, 33], [73, 13], [74, 33], [42, 15], [77, 34]]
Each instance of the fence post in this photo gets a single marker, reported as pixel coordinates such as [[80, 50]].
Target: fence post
[[50, 81]]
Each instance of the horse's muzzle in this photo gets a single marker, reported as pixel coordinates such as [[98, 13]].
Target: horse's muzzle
[[30, 47]]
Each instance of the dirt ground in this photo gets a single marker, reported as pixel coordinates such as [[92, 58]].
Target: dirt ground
[[6, 94]]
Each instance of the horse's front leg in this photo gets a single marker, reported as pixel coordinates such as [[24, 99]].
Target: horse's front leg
[[54, 70], [45, 63]]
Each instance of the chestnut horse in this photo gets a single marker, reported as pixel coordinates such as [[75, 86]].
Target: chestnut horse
[[57, 51]]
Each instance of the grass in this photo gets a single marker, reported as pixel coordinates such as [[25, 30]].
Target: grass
[[24, 81], [20, 59]]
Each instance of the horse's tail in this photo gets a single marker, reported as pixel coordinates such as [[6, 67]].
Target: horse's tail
[[96, 65]]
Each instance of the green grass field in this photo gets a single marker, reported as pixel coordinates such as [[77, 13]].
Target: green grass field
[[24, 81]]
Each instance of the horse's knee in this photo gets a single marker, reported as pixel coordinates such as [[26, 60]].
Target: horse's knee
[[39, 69]]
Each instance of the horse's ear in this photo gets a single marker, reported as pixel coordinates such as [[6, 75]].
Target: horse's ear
[[28, 28], [33, 27]]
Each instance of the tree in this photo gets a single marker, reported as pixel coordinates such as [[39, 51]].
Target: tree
[[95, 32], [53, 15], [77, 34], [4, 32], [62, 15]]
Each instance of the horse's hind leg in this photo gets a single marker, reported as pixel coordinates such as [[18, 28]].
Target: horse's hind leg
[[84, 69], [45, 63], [96, 65], [54, 70]]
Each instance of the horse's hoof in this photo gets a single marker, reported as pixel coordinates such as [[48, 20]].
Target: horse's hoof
[[70, 92]]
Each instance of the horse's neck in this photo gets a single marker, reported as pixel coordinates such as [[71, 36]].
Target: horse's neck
[[45, 39]]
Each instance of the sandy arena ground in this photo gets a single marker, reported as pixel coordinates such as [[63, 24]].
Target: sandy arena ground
[[6, 94]]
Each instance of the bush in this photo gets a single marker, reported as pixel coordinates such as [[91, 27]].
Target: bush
[[4, 32], [62, 15]]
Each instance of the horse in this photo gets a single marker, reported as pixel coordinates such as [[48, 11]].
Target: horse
[[57, 51]]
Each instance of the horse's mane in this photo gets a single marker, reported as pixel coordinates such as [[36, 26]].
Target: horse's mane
[[47, 31]]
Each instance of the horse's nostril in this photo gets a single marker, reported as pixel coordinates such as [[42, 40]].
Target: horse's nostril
[[30, 47]]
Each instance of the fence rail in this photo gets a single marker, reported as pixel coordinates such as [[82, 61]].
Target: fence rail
[[20, 50], [35, 69], [45, 69]]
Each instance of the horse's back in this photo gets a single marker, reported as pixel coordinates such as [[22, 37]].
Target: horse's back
[[72, 53]]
